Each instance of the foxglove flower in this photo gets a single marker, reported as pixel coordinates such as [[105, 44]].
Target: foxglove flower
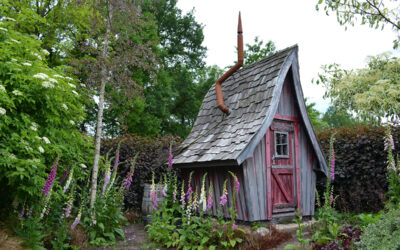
[[332, 198], [107, 176], [64, 176], [69, 180], [234, 226], [22, 212], [333, 165], [190, 190], [77, 219], [224, 196], [69, 204], [170, 158], [210, 197], [128, 180], [195, 204], [203, 200], [153, 194], [182, 200], [237, 183], [50, 179]]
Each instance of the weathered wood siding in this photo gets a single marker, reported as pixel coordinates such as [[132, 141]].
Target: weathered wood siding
[[254, 173], [217, 176], [307, 158]]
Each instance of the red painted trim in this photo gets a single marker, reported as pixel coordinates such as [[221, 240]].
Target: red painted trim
[[269, 184], [286, 118], [282, 187], [297, 152]]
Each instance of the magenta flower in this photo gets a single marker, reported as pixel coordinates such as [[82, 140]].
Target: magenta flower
[[164, 191], [22, 212], [170, 158], [64, 176], [209, 202], [154, 198], [189, 192], [223, 199], [234, 227], [107, 176], [116, 160], [77, 219], [50, 179], [331, 198], [333, 166], [68, 210]]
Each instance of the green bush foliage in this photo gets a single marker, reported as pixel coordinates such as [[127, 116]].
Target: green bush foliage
[[40, 108], [361, 166], [384, 234], [153, 156]]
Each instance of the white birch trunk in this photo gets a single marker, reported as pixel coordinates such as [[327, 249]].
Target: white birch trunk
[[104, 74]]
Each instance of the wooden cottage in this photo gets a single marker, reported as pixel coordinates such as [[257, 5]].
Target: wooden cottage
[[267, 140]]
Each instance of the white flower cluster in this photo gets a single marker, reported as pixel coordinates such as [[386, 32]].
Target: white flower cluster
[[46, 52], [37, 55], [41, 150], [17, 92], [13, 60], [72, 122], [47, 84], [69, 78], [2, 88], [34, 126], [65, 106], [9, 19], [26, 64], [72, 85], [3, 29], [83, 165], [15, 41], [46, 140], [2, 111], [52, 80], [41, 76], [76, 93], [59, 76]]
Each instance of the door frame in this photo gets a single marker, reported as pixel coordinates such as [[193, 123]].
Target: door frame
[[296, 162]]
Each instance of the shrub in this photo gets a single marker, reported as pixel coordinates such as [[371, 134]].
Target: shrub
[[153, 153], [361, 169], [385, 234]]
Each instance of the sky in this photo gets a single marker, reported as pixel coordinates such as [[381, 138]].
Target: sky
[[320, 38]]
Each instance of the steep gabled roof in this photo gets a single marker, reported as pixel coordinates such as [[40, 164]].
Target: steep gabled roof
[[252, 94]]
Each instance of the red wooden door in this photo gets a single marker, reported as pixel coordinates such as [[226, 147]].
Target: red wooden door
[[282, 167]]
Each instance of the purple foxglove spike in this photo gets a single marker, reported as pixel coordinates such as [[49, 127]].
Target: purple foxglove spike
[[50, 179], [333, 166], [223, 200], [116, 160], [234, 227], [64, 176]]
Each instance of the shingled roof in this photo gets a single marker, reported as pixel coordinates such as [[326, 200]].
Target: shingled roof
[[252, 94]]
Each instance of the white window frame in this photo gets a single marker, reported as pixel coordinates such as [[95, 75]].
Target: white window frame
[[276, 155]]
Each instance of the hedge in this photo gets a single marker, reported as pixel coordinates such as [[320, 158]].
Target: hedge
[[153, 152], [360, 173]]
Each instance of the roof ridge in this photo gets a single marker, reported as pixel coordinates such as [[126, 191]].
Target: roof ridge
[[268, 57]]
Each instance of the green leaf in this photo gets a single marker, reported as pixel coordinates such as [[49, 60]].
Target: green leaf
[[291, 246], [120, 232]]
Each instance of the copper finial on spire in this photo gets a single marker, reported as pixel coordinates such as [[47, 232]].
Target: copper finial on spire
[[218, 89]]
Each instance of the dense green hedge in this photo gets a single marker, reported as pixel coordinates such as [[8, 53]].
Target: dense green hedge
[[152, 153], [360, 171]]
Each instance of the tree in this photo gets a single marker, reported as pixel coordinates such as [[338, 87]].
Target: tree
[[257, 51], [335, 118], [375, 13], [116, 51], [314, 115], [371, 93], [40, 108], [57, 24]]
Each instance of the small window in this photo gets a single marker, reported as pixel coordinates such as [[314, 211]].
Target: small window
[[281, 144]]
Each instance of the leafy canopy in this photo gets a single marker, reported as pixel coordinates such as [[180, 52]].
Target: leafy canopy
[[40, 108], [375, 13], [372, 93]]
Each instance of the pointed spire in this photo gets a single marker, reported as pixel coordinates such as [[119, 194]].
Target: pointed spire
[[240, 30]]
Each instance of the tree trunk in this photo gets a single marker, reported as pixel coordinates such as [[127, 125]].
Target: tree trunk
[[95, 171]]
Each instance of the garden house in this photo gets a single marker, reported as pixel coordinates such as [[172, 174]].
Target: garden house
[[265, 138]]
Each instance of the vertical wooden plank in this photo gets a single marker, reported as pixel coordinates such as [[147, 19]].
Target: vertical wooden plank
[[268, 163], [297, 160]]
